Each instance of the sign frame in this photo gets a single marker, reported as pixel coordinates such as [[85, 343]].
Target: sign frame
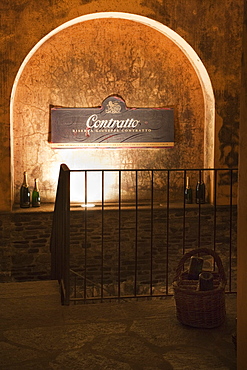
[[112, 125]]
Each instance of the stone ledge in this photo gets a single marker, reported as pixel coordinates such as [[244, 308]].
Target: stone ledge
[[49, 207]]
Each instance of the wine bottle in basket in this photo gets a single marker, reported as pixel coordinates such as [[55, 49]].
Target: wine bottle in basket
[[195, 268], [206, 281]]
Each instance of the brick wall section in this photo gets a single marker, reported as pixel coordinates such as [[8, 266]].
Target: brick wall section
[[25, 242], [25, 251], [91, 247]]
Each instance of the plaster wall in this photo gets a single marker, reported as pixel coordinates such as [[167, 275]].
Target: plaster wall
[[83, 64], [210, 28]]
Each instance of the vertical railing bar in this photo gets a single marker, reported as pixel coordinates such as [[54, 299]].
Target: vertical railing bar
[[199, 213], [215, 209], [60, 239], [230, 237], [151, 233], [66, 235], [63, 212], [215, 205], [53, 242], [167, 229], [85, 224], [102, 233], [184, 213], [136, 235], [119, 230]]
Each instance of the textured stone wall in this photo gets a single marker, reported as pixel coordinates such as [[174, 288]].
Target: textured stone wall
[[25, 253], [212, 29], [81, 66], [149, 245], [25, 247]]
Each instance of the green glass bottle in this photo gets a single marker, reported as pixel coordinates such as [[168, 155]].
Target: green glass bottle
[[24, 193], [35, 195], [188, 192]]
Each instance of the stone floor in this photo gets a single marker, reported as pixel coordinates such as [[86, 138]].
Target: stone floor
[[36, 332]]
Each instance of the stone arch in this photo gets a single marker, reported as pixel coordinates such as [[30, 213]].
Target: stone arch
[[188, 52]]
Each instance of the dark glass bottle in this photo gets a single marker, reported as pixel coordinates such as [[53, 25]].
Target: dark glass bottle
[[24, 193], [195, 268], [200, 191], [35, 195], [206, 281], [188, 192]]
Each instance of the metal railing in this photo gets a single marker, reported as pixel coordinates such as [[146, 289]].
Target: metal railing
[[152, 226]]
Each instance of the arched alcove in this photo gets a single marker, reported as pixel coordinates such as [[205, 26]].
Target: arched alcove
[[91, 57]]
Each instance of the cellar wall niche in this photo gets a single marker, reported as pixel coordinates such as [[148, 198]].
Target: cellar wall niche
[[89, 59]]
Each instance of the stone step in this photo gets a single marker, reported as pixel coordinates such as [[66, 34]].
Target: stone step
[[29, 288], [29, 304]]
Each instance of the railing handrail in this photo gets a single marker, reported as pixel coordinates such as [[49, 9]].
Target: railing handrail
[[152, 169], [60, 236]]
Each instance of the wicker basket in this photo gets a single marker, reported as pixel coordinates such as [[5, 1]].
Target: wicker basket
[[201, 309]]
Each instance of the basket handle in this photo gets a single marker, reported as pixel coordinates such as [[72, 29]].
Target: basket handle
[[206, 251]]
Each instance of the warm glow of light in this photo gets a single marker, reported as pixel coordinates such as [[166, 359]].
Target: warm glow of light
[[94, 187], [55, 157], [91, 160]]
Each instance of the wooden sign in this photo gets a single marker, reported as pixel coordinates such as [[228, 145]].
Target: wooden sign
[[112, 126]]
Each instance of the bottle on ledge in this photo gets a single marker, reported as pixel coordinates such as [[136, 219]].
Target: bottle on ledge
[[188, 192], [200, 191], [24, 193], [35, 195]]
